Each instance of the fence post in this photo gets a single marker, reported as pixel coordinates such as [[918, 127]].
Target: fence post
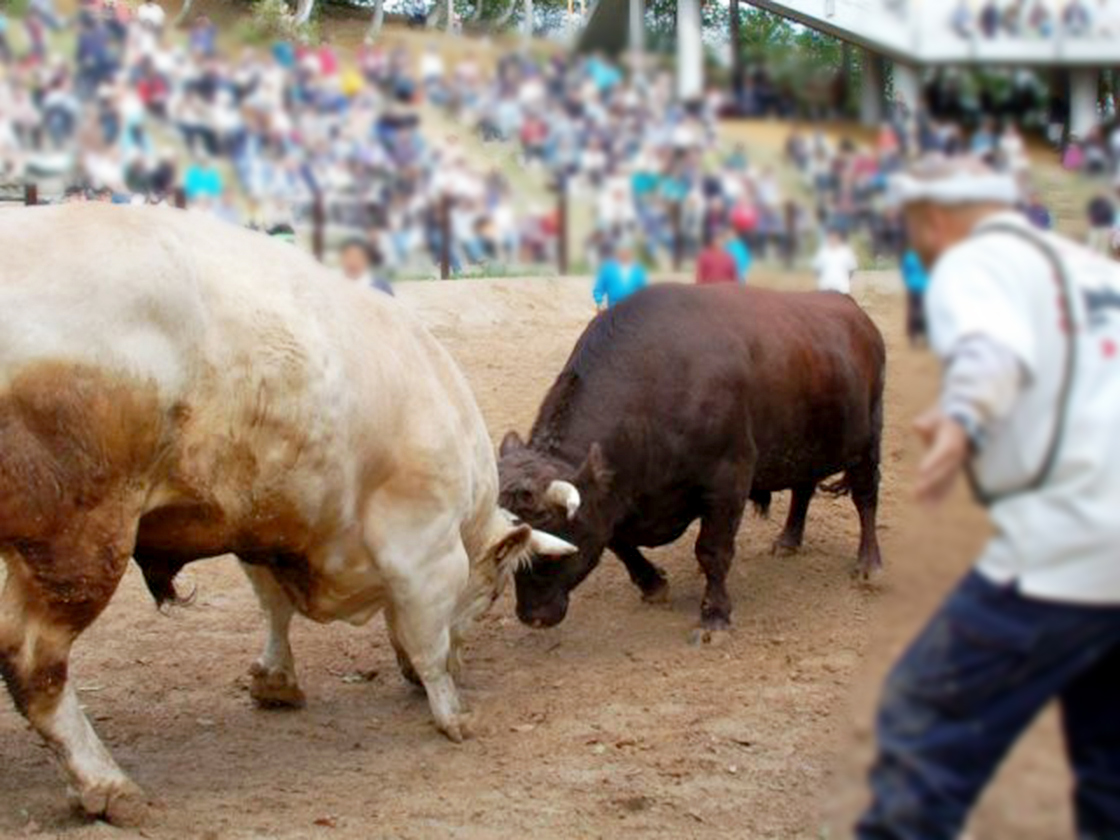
[[678, 239], [791, 234], [30, 195], [562, 224], [318, 223], [444, 237], [180, 198]]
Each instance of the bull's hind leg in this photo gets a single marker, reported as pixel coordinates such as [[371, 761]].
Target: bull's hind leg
[[794, 532], [644, 574], [864, 483], [274, 682], [55, 589]]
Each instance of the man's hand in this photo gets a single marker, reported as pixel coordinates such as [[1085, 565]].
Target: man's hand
[[947, 450]]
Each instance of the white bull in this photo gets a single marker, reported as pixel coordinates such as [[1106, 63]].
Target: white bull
[[174, 388]]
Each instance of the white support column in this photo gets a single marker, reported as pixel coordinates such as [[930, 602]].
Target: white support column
[[907, 85], [1083, 102], [637, 27], [690, 50], [871, 93]]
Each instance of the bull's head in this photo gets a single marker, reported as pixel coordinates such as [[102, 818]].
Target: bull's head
[[551, 495]]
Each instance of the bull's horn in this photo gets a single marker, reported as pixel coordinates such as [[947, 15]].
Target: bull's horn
[[547, 545], [565, 495]]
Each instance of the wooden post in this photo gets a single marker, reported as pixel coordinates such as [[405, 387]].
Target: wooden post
[[791, 234], [562, 224], [318, 223], [180, 198], [445, 237], [30, 195], [678, 238]]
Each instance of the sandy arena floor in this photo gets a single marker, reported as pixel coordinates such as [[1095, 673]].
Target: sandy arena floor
[[608, 726]]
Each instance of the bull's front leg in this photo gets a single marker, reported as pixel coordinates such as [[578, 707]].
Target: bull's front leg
[[54, 590], [423, 603], [274, 682], [650, 579], [715, 549]]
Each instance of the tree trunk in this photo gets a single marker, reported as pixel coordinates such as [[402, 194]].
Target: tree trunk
[[378, 19], [304, 11], [736, 53], [501, 20], [476, 15], [183, 12], [434, 16], [450, 15], [528, 22]]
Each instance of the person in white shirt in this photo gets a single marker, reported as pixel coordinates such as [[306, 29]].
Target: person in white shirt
[[1027, 325], [835, 264]]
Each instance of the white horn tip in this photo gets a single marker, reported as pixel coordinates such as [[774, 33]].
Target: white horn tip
[[550, 546]]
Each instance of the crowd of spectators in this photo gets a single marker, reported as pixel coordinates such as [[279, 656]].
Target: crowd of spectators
[[266, 135], [1036, 19], [255, 137]]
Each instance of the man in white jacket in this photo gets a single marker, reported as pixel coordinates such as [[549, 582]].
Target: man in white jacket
[[1028, 327]]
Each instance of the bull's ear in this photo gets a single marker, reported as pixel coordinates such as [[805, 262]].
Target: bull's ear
[[510, 443], [595, 470], [515, 547]]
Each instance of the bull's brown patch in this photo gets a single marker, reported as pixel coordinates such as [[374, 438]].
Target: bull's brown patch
[[70, 435]]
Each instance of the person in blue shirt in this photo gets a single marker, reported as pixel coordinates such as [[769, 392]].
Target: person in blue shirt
[[739, 252], [202, 180], [618, 278], [916, 280]]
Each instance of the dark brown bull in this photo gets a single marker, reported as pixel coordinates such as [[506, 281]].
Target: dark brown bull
[[683, 403]]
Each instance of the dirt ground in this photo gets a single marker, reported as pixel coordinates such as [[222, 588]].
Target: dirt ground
[[610, 725]]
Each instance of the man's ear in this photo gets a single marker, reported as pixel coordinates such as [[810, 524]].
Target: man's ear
[[510, 443], [595, 471]]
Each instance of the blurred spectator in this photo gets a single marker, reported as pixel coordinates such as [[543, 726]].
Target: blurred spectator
[[835, 264], [740, 252], [283, 233], [619, 276], [1101, 215], [715, 263], [962, 19], [1076, 18], [361, 263], [1037, 212], [915, 279], [990, 19], [1011, 152], [1040, 19], [202, 179], [5, 46]]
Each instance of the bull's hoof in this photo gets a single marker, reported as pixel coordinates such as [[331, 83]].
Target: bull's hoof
[[458, 727], [122, 804], [868, 569], [713, 633], [785, 546], [658, 594], [275, 689]]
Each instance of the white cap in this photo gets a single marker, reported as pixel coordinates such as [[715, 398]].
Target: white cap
[[952, 181]]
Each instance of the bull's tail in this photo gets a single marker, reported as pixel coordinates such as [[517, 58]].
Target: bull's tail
[[761, 501]]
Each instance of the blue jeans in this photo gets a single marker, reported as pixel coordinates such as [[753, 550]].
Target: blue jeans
[[981, 671]]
